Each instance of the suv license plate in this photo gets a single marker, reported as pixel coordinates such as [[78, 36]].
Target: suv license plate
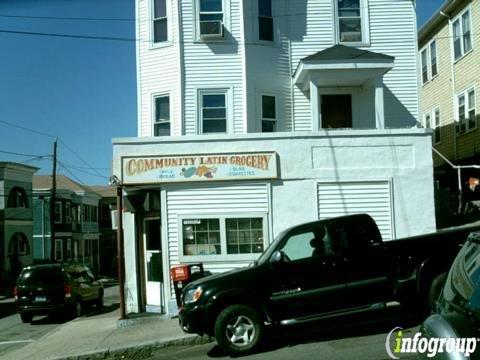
[[40, 298]]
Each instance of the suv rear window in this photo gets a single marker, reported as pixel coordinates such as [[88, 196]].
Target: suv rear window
[[44, 276]]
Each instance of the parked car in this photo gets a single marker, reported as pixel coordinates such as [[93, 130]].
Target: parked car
[[56, 289], [314, 271], [457, 313]]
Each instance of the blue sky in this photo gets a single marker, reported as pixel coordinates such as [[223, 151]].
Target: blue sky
[[81, 90]]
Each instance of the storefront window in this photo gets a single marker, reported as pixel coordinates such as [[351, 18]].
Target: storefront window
[[223, 235], [244, 235], [201, 237]]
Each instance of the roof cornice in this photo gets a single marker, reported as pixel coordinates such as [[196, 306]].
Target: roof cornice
[[447, 8]]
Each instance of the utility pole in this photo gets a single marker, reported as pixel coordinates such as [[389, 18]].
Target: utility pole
[[52, 202]]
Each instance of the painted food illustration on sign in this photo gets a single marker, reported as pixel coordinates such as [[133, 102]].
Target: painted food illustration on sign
[[200, 171]]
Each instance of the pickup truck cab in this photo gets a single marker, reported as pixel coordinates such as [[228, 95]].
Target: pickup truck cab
[[317, 270]]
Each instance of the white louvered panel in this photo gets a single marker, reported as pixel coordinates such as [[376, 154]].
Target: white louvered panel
[[373, 198], [212, 200]]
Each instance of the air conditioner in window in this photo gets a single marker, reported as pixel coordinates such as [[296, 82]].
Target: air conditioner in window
[[211, 29], [350, 36]]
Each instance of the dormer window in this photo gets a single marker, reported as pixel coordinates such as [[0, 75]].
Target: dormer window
[[351, 21], [211, 18]]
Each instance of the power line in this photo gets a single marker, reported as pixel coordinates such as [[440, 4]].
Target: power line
[[83, 171], [73, 175], [68, 35], [27, 129], [86, 168], [109, 38], [64, 18], [90, 167], [22, 154]]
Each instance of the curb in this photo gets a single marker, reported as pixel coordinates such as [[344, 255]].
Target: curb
[[140, 351]]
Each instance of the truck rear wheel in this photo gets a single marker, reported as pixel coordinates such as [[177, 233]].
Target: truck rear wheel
[[238, 329]]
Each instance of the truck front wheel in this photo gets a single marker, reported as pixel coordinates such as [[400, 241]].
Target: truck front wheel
[[435, 289], [238, 329]]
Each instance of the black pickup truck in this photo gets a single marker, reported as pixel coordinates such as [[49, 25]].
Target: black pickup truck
[[318, 270]]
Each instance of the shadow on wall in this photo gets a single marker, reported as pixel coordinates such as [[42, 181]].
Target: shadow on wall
[[396, 114], [227, 45]]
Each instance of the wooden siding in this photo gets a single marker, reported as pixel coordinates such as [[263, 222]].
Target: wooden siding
[[158, 69], [438, 92], [213, 64], [249, 67], [212, 200]]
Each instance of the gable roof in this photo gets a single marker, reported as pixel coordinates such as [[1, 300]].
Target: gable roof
[[342, 52], [105, 191], [42, 182]]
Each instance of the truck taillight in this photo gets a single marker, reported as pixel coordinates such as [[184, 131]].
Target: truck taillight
[[15, 293], [67, 289], [180, 273]]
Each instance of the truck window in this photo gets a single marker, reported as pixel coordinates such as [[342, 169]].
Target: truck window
[[298, 246]]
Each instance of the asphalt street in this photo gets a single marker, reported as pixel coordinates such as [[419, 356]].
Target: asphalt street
[[370, 347], [14, 334], [359, 338]]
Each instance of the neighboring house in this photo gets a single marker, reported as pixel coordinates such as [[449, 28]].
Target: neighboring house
[[258, 115], [108, 235], [16, 224], [76, 221], [450, 90]]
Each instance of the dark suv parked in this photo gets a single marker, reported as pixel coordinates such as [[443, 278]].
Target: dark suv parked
[[458, 307], [56, 289]]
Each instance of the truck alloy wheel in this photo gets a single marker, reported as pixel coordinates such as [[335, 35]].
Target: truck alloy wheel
[[238, 329]]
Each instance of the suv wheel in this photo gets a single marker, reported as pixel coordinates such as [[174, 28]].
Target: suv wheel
[[99, 302], [238, 329], [26, 318], [76, 309]]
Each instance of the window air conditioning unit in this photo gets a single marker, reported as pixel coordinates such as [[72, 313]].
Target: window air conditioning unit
[[351, 36], [211, 29]]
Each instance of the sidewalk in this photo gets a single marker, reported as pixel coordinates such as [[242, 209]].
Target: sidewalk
[[100, 337]]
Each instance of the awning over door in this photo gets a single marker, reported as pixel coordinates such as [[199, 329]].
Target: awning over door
[[341, 65]]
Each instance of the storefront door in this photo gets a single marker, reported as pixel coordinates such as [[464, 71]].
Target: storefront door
[[153, 265]]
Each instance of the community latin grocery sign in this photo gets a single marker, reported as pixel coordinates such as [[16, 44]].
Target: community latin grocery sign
[[188, 168]]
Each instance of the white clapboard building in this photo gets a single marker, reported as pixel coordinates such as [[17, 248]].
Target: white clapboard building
[[257, 115]]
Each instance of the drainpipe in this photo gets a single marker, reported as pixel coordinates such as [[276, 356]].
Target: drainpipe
[[43, 227]]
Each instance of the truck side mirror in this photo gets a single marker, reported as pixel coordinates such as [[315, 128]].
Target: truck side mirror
[[278, 257]]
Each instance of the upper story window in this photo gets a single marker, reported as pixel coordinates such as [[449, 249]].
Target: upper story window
[[428, 57], [161, 125], [265, 20], [269, 113], [351, 21], [462, 36], [424, 66], [160, 24], [17, 198], [466, 113], [431, 120], [68, 213], [58, 212], [211, 18], [213, 111], [433, 58]]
